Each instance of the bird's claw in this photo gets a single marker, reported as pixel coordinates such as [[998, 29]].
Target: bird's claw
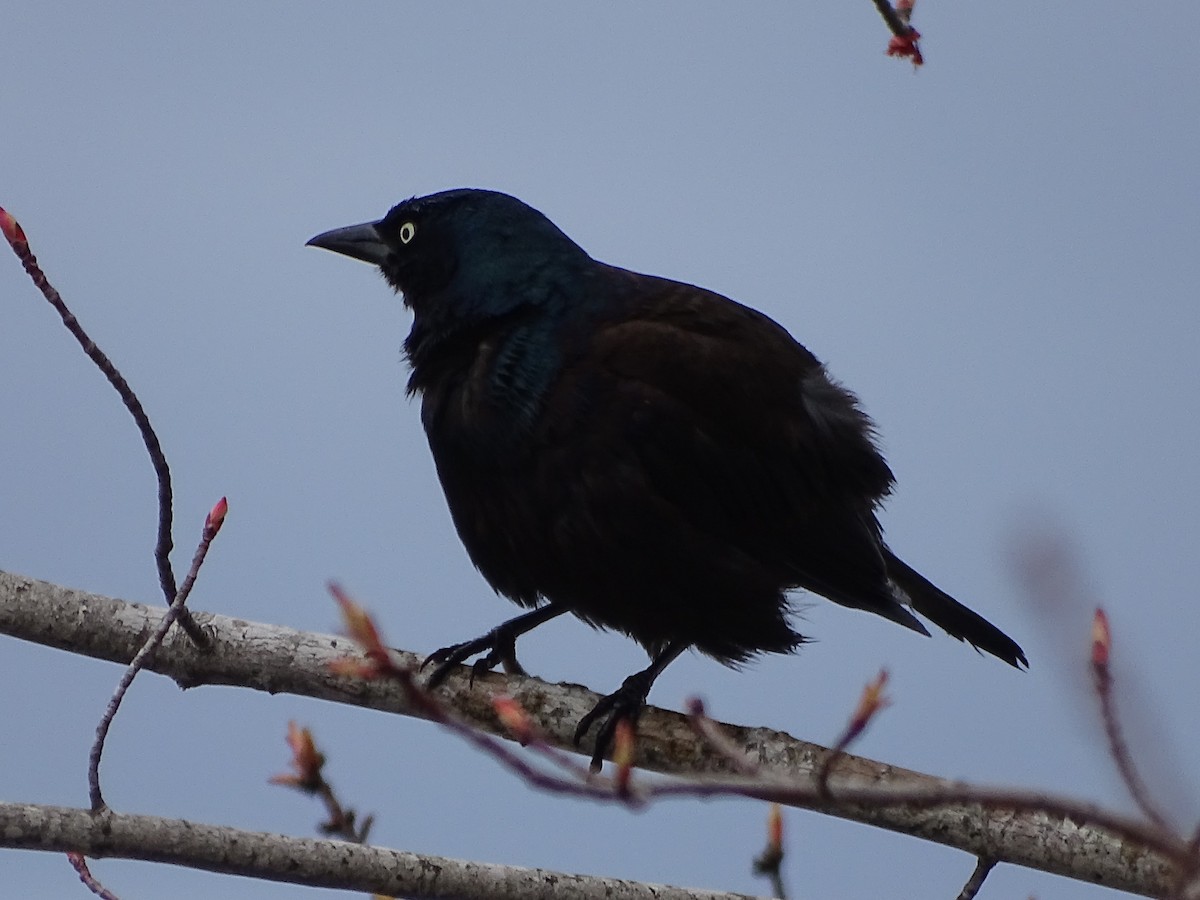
[[501, 647], [625, 703]]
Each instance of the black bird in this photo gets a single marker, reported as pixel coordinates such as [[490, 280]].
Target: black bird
[[647, 455]]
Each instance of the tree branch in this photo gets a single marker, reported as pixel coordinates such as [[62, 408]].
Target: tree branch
[[275, 659], [308, 861]]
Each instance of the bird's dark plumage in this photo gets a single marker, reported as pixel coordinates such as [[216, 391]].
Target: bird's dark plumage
[[647, 455]]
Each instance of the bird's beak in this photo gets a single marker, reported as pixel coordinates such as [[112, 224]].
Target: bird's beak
[[357, 241]]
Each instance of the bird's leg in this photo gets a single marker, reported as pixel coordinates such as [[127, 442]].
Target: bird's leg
[[500, 644], [626, 702]]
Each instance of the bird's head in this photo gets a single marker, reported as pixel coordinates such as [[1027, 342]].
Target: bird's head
[[463, 256]]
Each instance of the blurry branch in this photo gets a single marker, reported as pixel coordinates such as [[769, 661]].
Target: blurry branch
[[308, 777], [1054, 580], [869, 705], [769, 863], [317, 863], [904, 36], [1118, 749], [1026, 828]]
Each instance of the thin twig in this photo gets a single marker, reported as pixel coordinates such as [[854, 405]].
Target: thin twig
[[162, 550], [769, 863], [775, 876], [1120, 751], [706, 729], [562, 759], [983, 867], [379, 664], [524, 731], [79, 864], [894, 22], [212, 524], [589, 785], [904, 36], [1117, 746], [870, 702], [343, 821], [308, 777]]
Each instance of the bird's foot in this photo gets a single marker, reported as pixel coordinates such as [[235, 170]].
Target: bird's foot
[[625, 703], [500, 644]]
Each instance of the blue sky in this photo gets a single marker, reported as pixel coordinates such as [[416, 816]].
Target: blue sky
[[998, 253]]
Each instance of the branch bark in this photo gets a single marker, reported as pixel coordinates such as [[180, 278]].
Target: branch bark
[[330, 864], [275, 659]]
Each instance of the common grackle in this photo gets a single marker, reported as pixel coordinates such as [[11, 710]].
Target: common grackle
[[647, 455]]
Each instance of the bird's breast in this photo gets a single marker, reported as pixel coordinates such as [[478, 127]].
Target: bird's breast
[[485, 412]]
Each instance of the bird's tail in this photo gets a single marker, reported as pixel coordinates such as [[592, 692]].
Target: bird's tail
[[951, 616]]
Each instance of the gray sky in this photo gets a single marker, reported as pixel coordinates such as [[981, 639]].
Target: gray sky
[[997, 253]]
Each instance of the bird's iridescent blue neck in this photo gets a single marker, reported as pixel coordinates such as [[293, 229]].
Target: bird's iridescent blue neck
[[495, 346], [499, 295]]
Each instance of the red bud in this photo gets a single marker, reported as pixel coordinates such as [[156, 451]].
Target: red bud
[[306, 759], [775, 829], [216, 516], [624, 744], [1101, 638], [513, 717], [12, 230]]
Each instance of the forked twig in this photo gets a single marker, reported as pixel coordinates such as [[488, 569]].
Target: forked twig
[[162, 550], [308, 777], [212, 524]]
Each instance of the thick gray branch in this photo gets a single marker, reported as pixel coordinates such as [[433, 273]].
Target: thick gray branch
[[331, 864], [275, 659]]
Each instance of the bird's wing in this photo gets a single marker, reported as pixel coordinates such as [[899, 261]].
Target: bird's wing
[[733, 425]]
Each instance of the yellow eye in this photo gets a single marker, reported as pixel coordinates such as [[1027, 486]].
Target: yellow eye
[[407, 232]]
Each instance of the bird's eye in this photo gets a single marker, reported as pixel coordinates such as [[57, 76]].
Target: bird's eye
[[407, 232]]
